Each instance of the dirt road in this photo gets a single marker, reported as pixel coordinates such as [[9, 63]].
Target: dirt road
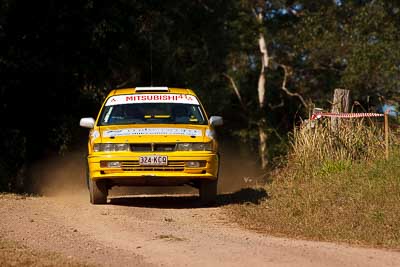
[[154, 230], [161, 231]]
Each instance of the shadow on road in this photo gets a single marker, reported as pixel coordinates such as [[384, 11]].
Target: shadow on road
[[245, 195]]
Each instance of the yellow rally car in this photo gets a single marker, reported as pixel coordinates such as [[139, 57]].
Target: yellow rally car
[[152, 136]]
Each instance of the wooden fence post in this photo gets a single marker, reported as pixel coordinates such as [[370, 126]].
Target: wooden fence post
[[341, 103], [386, 135]]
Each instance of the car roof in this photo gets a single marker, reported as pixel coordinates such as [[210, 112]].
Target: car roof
[[168, 90]]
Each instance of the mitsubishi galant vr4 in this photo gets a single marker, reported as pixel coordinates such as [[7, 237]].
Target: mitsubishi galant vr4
[[152, 136]]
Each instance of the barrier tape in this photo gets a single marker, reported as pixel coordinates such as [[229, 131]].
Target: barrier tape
[[318, 115]]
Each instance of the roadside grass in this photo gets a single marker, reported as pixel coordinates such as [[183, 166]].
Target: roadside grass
[[335, 187], [15, 254]]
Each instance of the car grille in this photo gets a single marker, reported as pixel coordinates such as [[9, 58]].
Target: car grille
[[153, 147], [141, 147], [175, 166]]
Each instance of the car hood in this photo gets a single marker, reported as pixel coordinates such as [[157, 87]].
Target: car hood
[[166, 133]]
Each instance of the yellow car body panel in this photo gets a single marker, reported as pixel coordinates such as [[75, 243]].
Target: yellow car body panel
[[152, 141]]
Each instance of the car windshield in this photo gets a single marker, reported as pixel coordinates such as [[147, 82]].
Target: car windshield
[[152, 113]]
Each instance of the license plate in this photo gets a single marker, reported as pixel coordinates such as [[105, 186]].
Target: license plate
[[153, 160]]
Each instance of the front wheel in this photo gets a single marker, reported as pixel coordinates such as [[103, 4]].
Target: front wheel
[[98, 191], [208, 192]]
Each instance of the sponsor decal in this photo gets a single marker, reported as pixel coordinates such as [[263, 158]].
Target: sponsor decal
[[152, 98], [153, 131], [210, 133], [95, 135]]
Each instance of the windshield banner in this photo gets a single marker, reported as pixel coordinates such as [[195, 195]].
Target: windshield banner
[[152, 98], [153, 131]]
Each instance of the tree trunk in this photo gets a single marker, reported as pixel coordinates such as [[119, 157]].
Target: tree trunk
[[262, 134], [340, 104], [261, 88], [263, 142], [264, 65]]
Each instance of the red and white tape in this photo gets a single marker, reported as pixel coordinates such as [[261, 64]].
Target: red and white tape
[[318, 115]]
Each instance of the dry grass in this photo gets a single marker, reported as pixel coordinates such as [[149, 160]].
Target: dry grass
[[336, 187], [354, 140]]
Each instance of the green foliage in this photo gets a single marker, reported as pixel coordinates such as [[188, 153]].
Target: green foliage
[[349, 45], [331, 167]]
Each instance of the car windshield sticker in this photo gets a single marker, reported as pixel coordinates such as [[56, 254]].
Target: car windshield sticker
[[152, 98], [107, 116], [153, 131]]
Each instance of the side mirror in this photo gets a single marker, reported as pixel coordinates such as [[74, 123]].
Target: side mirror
[[87, 122], [216, 121]]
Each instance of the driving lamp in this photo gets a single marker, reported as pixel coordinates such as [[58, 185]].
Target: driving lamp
[[110, 147], [194, 146]]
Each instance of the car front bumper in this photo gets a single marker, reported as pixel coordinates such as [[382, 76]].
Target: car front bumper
[[131, 172]]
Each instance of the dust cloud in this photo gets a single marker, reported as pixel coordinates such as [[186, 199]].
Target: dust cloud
[[239, 167], [60, 175], [64, 175]]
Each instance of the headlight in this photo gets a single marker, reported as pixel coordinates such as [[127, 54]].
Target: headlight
[[194, 146], [110, 147]]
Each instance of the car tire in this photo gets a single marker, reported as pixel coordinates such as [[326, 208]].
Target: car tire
[[208, 192], [98, 191], [87, 177]]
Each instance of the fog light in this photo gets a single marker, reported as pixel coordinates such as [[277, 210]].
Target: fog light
[[195, 164], [110, 164]]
